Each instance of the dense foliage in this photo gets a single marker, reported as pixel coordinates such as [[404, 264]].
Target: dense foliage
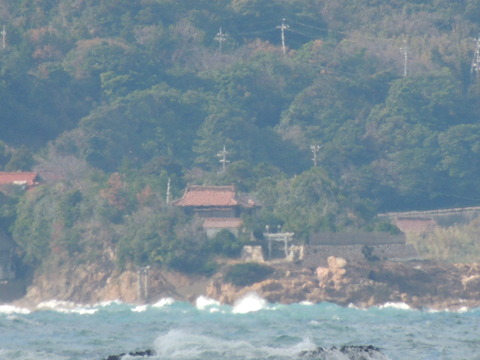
[[109, 99], [247, 273]]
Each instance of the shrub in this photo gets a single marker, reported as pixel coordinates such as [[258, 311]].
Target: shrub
[[388, 228], [225, 243], [247, 274]]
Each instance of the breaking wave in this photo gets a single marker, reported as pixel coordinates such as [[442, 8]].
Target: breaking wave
[[66, 307], [184, 345], [10, 309], [205, 303], [250, 303]]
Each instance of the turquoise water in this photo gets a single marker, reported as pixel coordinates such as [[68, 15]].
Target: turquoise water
[[251, 329]]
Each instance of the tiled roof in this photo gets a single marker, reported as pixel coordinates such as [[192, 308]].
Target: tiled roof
[[196, 195], [18, 178], [222, 223]]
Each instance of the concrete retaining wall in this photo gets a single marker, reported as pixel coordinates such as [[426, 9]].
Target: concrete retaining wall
[[356, 238], [317, 255]]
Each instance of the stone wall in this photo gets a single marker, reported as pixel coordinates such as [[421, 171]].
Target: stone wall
[[252, 253], [356, 238], [426, 221], [317, 255]]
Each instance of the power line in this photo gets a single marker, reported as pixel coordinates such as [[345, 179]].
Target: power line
[[221, 37], [255, 32], [320, 30], [303, 34]]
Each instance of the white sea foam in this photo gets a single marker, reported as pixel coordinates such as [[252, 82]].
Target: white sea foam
[[181, 344], [395, 305], [164, 302], [66, 307], [140, 308], [460, 310], [305, 345], [109, 303], [205, 303], [306, 303], [353, 306], [10, 309], [250, 303]]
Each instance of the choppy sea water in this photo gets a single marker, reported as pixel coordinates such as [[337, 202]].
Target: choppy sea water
[[251, 329]]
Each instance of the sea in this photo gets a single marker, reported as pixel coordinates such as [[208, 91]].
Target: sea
[[251, 329]]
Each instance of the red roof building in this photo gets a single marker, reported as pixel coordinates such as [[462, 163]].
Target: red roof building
[[26, 179], [214, 201], [220, 206], [201, 196]]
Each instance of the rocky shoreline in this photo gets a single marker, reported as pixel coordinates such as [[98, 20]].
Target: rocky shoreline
[[353, 352], [418, 284]]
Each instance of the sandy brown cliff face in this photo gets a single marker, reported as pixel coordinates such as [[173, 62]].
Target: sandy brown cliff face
[[419, 284], [82, 284], [90, 284]]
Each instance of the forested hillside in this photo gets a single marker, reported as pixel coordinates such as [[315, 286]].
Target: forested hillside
[[108, 99]]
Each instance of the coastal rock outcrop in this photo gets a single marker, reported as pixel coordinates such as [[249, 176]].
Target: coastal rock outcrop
[[140, 353], [350, 352], [92, 283], [419, 284]]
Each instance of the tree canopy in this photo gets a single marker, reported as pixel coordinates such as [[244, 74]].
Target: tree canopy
[[110, 99]]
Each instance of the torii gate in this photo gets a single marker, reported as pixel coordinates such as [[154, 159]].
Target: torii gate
[[286, 237]]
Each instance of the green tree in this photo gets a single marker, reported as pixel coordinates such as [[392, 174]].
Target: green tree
[[21, 159], [460, 159], [247, 274], [312, 202], [33, 228], [225, 243]]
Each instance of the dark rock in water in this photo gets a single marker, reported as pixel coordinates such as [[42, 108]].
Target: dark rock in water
[[133, 353], [352, 352]]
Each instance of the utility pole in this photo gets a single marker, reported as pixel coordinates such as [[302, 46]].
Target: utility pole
[[404, 50], [168, 191], [476, 59], [223, 158], [220, 37], [315, 150], [4, 37], [283, 27]]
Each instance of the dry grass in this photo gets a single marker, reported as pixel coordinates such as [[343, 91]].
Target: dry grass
[[457, 244]]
